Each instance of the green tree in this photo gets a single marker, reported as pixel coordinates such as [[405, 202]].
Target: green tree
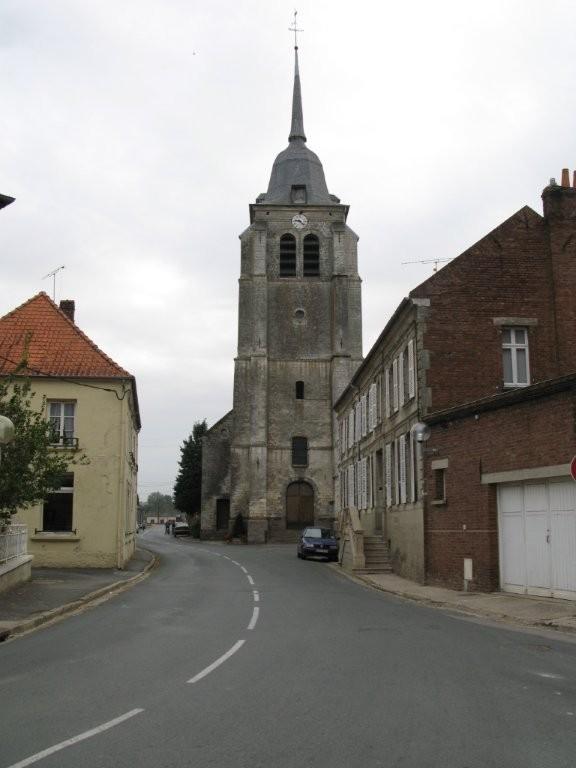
[[29, 466], [188, 485], [158, 505]]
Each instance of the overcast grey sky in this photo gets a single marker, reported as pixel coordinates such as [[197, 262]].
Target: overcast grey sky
[[136, 132]]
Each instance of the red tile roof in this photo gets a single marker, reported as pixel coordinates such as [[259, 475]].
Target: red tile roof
[[39, 333]]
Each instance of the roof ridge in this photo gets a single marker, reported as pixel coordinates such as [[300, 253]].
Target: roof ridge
[[43, 298], [84, 336]]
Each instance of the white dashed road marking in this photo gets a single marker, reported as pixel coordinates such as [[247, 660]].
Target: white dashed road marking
[[256, 595], [254, 619], [215, 664], [75, 739]]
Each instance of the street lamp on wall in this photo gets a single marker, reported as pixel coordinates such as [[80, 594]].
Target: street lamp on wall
[[6, 432], [421, 432]]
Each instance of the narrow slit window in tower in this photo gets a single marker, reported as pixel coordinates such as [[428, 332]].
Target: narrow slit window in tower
[[299, 390], [299, 451]]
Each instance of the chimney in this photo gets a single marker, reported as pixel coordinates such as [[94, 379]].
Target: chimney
[[68, 306], [565, 177]]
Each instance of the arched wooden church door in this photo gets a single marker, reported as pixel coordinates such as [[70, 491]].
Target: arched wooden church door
[[299, 505]]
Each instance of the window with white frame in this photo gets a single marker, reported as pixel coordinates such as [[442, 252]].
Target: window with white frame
[[61, 415], [515, 361], [58, 506]]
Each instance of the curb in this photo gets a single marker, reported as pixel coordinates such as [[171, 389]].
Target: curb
[[98, 596], [499, 617]]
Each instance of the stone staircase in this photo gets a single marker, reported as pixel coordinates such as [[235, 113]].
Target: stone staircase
[[377, 555]]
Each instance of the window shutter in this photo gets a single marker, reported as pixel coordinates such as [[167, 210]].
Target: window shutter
[[378, 406], [401, 378], [388, 475], [372, 407], [395, 384], [351, 429], [387, 392], [402, 467], [412, 469], [357, 423], [411, 370], [350, 485], [364, 412]]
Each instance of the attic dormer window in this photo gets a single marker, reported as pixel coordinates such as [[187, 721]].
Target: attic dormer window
[[287, 256], [298, 193]]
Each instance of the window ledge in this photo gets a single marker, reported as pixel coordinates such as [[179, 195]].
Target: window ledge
[[515, 386], [439, 502], [56, 536]]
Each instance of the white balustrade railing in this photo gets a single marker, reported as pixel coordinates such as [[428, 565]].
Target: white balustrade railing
[[13, 542]]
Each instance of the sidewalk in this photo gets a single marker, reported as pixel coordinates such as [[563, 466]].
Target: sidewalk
[[54, 592], [500, 606]]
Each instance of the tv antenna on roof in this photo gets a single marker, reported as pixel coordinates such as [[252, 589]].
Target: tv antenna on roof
[[428, 261], [53, 276]]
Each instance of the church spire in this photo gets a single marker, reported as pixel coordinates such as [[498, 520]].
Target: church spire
[[297, 127]]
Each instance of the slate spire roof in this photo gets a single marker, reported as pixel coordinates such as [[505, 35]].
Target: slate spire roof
[[297, 127], [39, 334], [297, 174]]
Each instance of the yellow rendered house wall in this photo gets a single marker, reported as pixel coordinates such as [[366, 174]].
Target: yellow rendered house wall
[[104, 506]]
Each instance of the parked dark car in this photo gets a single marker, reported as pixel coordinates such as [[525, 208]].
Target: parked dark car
[[181, 529], [318, 542]]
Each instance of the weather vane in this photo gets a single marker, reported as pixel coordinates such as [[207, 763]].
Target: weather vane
[[53, 276], [295, 29]]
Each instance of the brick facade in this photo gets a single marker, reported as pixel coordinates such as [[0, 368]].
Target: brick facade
[[508, 299]]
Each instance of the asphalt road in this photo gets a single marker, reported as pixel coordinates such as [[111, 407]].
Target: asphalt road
[[291, 665]]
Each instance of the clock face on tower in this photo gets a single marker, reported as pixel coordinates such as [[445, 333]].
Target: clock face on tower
[[299, 221]]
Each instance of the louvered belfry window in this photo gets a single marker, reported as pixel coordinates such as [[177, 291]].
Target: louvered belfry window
[[311, 256], [287, 256]]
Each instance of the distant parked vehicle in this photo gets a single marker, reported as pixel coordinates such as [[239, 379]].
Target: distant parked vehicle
[[318, 542], [181, 529]]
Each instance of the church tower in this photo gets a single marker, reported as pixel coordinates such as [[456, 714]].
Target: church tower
[[299, 343], [271, 458]]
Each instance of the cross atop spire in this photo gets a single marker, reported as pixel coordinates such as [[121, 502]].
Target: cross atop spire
[[294, 28], [297, 127]]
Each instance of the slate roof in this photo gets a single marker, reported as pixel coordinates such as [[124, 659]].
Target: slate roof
[[39, 333]]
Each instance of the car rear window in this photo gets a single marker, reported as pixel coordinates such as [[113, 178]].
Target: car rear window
[[318, 533]]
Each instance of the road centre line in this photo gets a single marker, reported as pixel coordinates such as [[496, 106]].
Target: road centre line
[[254, 619], [256, 595], [243, 569], [215, 664], [250, 579], [75, 739]]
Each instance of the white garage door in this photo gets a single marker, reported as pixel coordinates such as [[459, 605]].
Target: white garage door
[[537, 531]]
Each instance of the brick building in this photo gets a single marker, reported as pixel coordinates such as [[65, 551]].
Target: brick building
[[484, 353]]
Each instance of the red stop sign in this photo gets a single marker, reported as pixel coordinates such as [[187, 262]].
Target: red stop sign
[[573, 468]]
